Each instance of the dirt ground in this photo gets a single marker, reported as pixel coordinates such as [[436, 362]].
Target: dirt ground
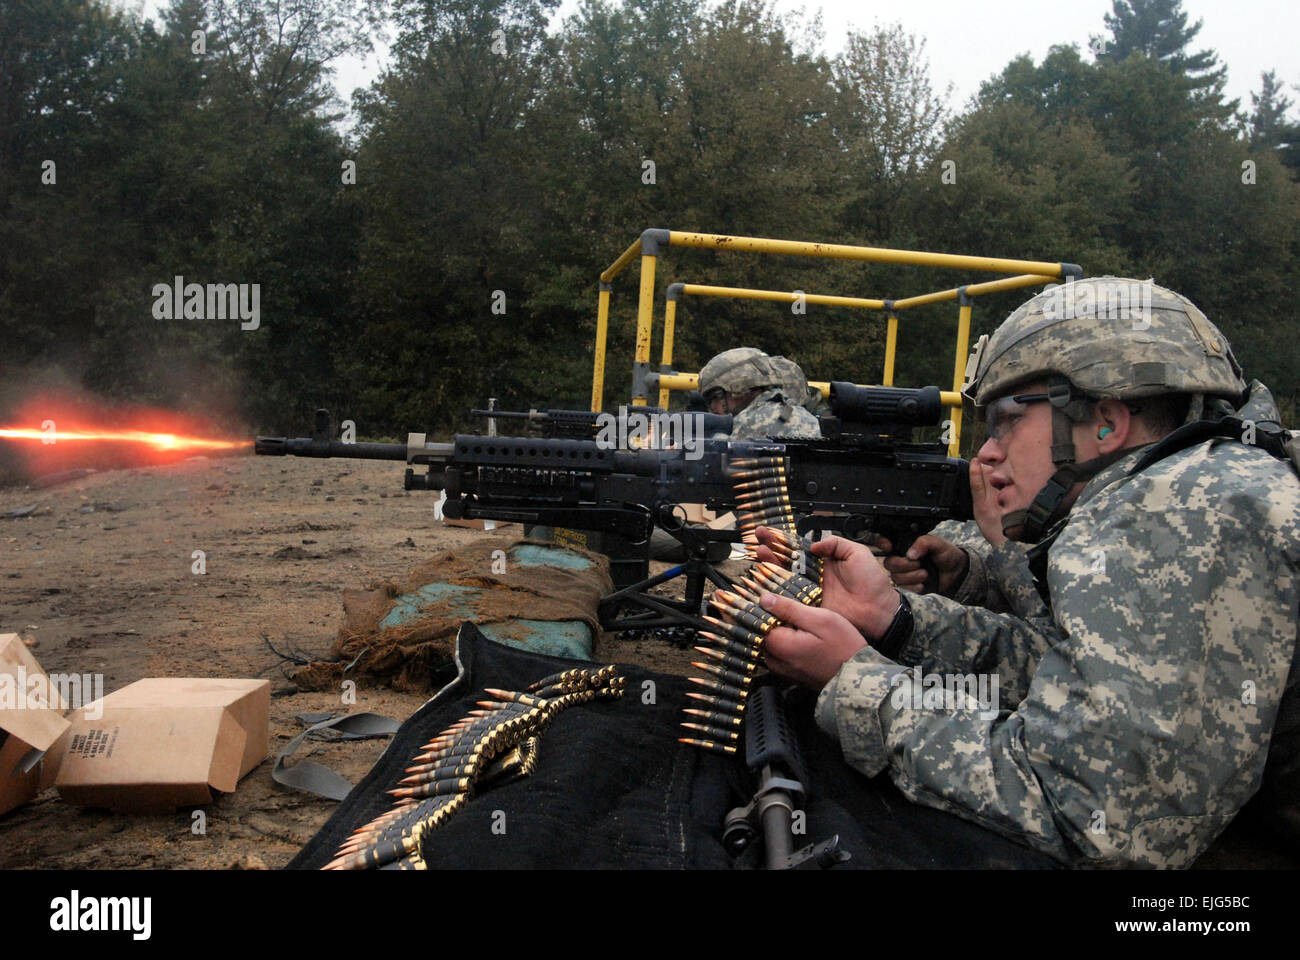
[[99, 579]]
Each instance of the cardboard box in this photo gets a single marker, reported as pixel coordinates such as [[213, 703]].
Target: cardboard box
[[31, 723], [163, 743]]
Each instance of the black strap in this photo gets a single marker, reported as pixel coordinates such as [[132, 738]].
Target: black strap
[[1046, 508], [312, 777], [1269, 437]]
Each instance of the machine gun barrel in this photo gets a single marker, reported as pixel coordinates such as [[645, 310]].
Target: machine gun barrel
[[308, 447]]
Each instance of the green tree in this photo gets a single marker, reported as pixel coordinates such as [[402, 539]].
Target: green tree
[[1270, 127], [1158, 30], [450, 213], [888, 122]]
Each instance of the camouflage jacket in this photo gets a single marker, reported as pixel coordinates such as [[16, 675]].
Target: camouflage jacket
[[989, 570], [770, 415], [1135, 709]]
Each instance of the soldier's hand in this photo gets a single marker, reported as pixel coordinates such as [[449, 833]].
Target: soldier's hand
[[950, 561], [813, 647], [984, 500], [854, 584]]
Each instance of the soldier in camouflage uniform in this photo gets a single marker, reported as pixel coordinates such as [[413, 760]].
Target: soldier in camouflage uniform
[[1143, 668], [765, 395]]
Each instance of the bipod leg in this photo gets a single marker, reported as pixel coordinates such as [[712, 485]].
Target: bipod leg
[[662, 611]]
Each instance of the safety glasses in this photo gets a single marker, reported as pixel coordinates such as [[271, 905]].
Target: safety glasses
[[1002, 415]]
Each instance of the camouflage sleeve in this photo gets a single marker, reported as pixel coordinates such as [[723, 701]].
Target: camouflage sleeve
[[994, 575], [954, 638], [1146, 723], [773, 417], [1000, 580]]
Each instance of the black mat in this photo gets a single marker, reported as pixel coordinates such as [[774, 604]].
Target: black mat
[[613, 788]]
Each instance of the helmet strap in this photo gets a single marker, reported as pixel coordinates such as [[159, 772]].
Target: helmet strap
[[1046, 508], [1067, 410]]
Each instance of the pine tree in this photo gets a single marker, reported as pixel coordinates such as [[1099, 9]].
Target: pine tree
[[1158, 28], [1269, 126]]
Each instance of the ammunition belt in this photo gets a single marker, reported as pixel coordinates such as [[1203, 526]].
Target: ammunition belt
[[735, 648], [493, 744]]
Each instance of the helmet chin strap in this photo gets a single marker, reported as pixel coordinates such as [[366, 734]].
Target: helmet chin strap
[[1029, 525]]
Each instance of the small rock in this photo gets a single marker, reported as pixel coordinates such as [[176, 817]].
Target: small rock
[[306, 542], [328, 499], [87, 509], [318, 482]]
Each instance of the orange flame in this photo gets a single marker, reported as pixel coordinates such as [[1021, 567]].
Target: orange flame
[[51, 432], [161, 441]]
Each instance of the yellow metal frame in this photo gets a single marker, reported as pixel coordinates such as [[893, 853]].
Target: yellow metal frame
[[649, 244]]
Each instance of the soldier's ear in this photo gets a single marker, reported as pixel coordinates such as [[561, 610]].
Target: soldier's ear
[[1113, 424]]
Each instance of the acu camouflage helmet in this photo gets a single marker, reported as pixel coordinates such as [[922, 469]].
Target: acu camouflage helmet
[[738, 371], [793, 383], [1110, 337], [1089, 340]]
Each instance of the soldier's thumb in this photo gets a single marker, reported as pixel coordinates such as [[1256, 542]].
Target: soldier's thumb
[[793, 613]]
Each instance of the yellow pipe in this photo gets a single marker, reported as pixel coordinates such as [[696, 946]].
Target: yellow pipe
[[598, 367], [781, 296], [959, 374], [644, 315], [876, 254], [670, 322], [690, 381], [974, 290], [677, 381], [619, 265], [891, 343]]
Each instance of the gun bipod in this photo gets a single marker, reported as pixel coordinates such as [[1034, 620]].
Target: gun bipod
[[654, 612]]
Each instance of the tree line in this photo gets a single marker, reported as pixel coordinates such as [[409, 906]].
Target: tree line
[[445, 247]]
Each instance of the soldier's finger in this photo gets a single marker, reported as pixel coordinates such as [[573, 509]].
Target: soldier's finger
[[811, 620]]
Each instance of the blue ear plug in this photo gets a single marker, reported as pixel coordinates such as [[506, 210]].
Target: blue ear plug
[[1101, 434]]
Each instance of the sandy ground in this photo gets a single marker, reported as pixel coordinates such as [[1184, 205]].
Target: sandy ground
[[99, 578]]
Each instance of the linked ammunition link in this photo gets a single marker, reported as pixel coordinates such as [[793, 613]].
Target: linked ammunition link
[[491, 745]]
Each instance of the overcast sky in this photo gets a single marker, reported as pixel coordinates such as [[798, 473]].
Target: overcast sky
[[967, 41]]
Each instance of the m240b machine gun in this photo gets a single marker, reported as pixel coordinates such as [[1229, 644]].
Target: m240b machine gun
[[865, 476]]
